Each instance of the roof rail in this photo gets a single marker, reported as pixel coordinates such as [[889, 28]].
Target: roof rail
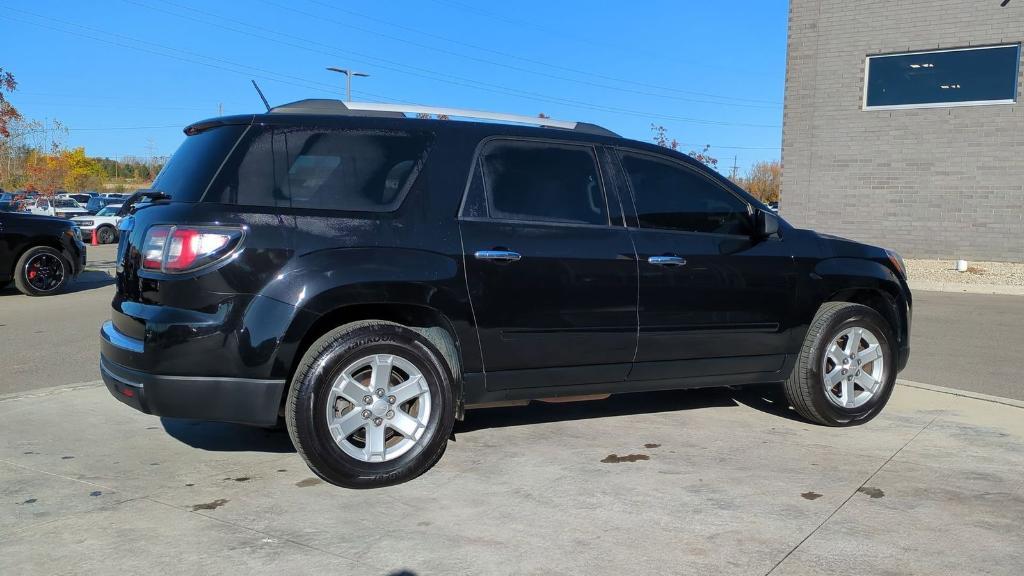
[[323, 106]]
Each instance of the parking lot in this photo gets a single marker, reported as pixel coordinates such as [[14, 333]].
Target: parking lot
[[708, 482]]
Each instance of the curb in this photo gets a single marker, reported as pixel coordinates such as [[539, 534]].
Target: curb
[[962, 393], [111, 272], [957, 288]]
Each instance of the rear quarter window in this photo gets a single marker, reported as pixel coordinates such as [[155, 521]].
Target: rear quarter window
[[188, 173], [327, 169]]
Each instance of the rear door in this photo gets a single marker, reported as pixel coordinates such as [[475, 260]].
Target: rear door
[[713, 299], [552, 276]]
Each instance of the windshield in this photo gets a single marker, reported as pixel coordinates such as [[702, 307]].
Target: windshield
[[189, 171], [97, 203], [109, 211]]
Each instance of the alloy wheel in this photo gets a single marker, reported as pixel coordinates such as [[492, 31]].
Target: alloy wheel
[[378, 408], [853, 368], [44, 272]]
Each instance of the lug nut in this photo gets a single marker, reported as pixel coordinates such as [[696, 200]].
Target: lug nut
[[380, 392], [377, 421], [845, 371], [366, 414], [392, 399], [368, 399], [390, 414]]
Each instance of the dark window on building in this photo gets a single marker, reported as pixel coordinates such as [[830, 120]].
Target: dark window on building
[[943, 78], [347, 170], [673, 197], [543, 181]]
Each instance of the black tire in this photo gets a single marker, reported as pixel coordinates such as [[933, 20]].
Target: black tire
[[27, 283], [105, 234], [805, 389], [308, 398]]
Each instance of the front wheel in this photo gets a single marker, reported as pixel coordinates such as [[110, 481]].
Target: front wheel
[[105, 234], [846, 370], [370, 405]]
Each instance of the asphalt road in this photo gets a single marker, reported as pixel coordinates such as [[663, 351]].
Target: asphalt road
[[968, 342], [962, 341]]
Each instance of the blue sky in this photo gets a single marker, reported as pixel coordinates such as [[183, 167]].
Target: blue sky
[[126, 75]]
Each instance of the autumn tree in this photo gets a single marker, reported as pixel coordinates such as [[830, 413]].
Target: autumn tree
[[661, 138], [763, 181], [8, 113]]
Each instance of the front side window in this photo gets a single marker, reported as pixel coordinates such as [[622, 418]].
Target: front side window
[[943, 78], [543, 182], [670, 196]]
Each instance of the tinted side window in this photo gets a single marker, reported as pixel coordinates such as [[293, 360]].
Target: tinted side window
[[670, 196], [325, 169], [543, 181], [352, 169], [251, 176]]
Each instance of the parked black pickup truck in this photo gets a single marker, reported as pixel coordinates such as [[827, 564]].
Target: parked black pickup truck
[[40, 254]]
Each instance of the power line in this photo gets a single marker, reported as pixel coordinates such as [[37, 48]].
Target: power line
[[401, 68], [261, 73], [494, 62], [773, 103], [561, 32]]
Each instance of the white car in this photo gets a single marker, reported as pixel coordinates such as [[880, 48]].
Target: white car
[[103, 224], [61, 207]]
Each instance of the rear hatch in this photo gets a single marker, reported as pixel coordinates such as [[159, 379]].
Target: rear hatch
[[193, 294]]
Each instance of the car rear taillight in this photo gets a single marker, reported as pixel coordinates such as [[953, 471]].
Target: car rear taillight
[[177, 249]]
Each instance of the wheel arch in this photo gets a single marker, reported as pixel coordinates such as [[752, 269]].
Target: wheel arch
[[871, 284], [431, 323], [34, 243]]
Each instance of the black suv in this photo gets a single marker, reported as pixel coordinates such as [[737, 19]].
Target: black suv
[[368, 276], [40, 254]]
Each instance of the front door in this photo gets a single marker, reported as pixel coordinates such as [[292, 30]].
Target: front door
[[553, 281], [713, 299]]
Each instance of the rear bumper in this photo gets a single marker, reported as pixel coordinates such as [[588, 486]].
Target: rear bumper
[[241, 400]]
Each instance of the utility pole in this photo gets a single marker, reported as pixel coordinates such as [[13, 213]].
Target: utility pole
[[735, 169], [220, 109], [348, 79]]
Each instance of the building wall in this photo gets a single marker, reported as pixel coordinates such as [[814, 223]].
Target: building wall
[[930, 183]]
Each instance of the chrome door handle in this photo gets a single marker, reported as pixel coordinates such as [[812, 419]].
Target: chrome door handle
[[667, 261], [497, 255]]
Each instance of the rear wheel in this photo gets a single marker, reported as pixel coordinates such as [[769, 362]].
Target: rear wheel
[[42, 271], [105, 234], [370, 405], [846, 370]]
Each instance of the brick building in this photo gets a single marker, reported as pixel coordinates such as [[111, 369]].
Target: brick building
[[904, 125]]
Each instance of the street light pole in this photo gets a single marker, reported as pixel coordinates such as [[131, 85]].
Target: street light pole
[[348, 79]]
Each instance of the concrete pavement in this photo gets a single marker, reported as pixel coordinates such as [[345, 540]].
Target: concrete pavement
[[702, 482]]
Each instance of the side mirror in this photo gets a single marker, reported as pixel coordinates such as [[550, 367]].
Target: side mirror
[[766, 224]]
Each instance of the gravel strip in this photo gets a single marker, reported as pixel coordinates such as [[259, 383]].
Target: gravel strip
[[997, 273]]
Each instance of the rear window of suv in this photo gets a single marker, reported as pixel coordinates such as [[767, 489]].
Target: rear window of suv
[[327, 169], [187, 174]]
